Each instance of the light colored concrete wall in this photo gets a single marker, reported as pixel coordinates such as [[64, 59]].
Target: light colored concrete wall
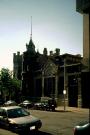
[[86, 40]]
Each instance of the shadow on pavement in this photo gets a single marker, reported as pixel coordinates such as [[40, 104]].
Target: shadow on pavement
[[27, 133], [37, 133], [62, 111]]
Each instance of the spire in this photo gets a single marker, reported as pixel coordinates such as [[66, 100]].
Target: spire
[[31, 47], [31, 29]]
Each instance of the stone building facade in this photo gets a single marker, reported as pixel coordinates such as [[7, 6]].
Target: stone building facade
[[17, 65], [46, 75]]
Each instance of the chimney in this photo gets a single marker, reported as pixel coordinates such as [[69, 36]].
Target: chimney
[[45, 51], [57, 51], [51, 53]]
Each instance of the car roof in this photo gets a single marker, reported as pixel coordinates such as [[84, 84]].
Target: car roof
[[9, 107], [26, 101]]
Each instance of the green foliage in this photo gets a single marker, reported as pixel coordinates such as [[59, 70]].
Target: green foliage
[[9, 86], [5, 77]]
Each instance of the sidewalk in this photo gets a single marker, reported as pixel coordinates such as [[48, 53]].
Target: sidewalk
[[72, 109]]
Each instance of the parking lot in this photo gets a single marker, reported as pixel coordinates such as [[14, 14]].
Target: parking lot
[[58, 122]]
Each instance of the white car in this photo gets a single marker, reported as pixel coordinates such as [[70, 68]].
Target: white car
[[26, 104], [18, 119]]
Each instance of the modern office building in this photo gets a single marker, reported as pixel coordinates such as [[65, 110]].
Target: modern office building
[[83, 7]]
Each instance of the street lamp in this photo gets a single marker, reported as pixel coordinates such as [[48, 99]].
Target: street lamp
[[64, 93]]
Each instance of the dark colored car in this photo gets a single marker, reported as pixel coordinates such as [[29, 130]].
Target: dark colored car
[[37, 105], [82, 129], [18, 119], [26, 104], [52, 104], [41, 105], [48, 105]]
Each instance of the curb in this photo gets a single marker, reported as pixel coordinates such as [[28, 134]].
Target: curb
[[71, 109]]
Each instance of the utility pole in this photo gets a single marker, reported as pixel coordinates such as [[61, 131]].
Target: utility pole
[[64, 91], [42, 83]]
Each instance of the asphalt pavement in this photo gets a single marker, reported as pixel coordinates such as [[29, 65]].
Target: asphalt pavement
[[55, 123]]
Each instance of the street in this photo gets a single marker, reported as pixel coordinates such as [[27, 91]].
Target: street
[[58, 122]]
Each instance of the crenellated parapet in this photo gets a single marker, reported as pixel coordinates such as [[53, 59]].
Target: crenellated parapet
[[17, 64]]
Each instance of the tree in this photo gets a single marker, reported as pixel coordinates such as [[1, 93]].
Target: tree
[[9, 86], [15, 88]]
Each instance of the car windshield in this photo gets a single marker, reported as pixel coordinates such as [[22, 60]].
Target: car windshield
[[17, 112]]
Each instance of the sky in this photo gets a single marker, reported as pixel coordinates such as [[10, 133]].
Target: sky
[[55, 24]]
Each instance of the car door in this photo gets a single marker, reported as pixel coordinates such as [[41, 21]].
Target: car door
[[3, 118]]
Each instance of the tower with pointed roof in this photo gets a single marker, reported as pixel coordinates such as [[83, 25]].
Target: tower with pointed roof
[[29, 59], [31, 47]]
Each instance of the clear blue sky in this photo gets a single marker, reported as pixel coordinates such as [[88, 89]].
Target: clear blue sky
[[55, 24]]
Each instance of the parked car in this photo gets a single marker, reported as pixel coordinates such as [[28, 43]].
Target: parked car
[[26, 104], [37, 106], [10, 103], [41, 105], [52, 104], [18, 119], [48, 105], [82, 129]]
